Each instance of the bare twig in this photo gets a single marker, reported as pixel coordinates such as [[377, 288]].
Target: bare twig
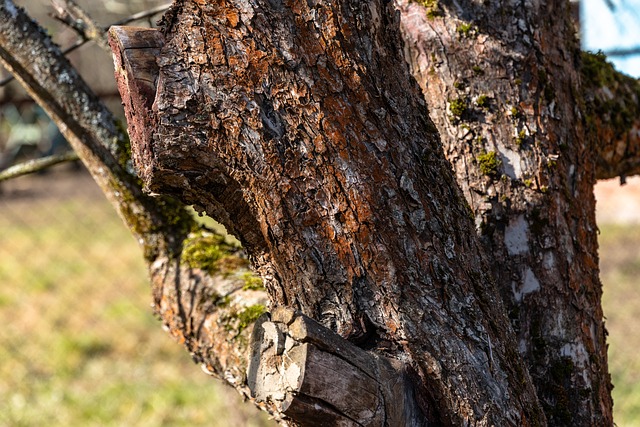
[[69, 13], [132, 18], [37, 165], [143, 15], [629, 51]]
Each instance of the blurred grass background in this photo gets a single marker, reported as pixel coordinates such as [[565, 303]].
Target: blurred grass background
[[79, 345], [620, 274]]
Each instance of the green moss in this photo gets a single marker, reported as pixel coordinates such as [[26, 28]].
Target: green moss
[[483, 101], [252, 282], [204, 250], [123, 146], [477, 70], [521, 138], [223, 301], [160, 223], [528, 182], [464, 30], [249, 315], [458, 106], [489, 163], [459, 84], [231, 263], [619, 112], [433, 10], [596, 69]]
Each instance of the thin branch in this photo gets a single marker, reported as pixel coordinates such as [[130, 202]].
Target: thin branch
[[69, 13], [131, 18], [25, 100], [143, 15], [630, 51], [37, 165]]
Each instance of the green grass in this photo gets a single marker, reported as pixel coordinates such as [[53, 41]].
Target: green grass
[[620, 269], [78, 342]]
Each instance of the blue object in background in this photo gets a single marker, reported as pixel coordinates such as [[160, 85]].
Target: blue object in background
[[613, 26]]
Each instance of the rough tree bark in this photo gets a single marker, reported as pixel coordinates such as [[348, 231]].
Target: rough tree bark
[[202, 288], [316, 171], [504, 85], [298, 125]]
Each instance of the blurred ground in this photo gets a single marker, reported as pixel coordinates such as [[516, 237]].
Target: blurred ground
[[618, 204], [618, 213], [79, 345]]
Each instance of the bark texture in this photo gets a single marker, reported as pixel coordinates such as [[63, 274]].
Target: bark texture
[[318, 378], [504, 87], [298, 126]]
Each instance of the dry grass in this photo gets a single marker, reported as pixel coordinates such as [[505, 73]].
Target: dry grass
[[620, 270], [78, 344]]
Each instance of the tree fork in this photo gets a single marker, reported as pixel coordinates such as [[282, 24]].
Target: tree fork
[[298, 126]]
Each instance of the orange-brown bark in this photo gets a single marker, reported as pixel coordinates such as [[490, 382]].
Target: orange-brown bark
[[306, 116]]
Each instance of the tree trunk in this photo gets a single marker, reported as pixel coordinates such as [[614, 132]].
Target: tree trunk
[[504, 88], [300, 128]]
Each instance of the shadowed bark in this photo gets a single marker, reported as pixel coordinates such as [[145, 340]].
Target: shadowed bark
[[504, 87]]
